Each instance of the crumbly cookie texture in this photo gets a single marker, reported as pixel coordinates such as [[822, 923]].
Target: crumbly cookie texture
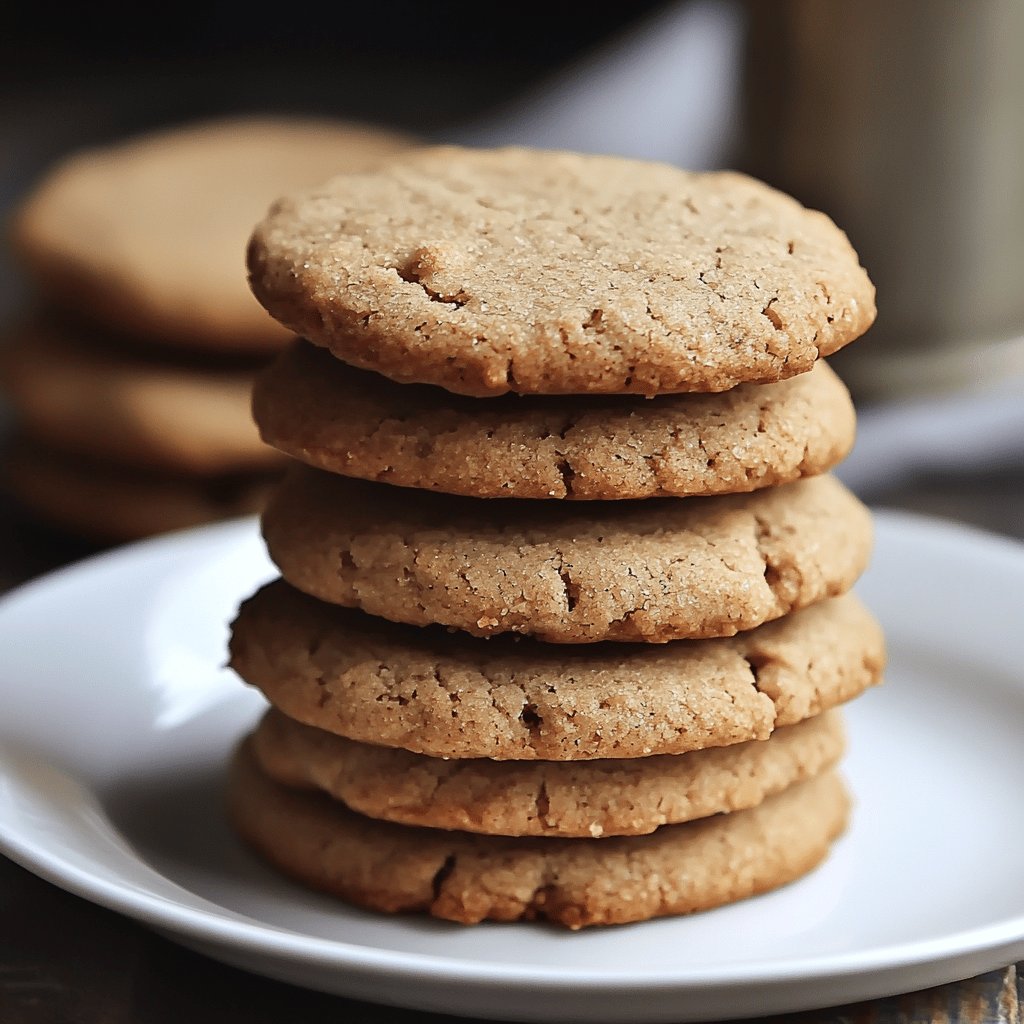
[[652, 571], [550, 798], [320, 410], [486, 271], [148, 236], [572, 882], [108, 502], [450, 695], [108, 402]]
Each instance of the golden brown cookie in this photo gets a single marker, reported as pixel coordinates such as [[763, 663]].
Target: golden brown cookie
[[549, 798], [148, 236], [573, 882], [83, 397], [320, 410], [486, 271], [451, 695], [651, 571], [107, 502]]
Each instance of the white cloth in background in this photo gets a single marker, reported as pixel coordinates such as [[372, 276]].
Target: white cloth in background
[[959, 433], [668, 89]]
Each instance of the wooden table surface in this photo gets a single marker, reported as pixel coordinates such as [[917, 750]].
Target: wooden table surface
[[66, 961]]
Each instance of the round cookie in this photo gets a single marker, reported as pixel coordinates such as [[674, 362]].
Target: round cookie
[[542, 272], [106, 502], [655, 570], [86, 398], [148, 236], [573, 882], [549, 798], [320, 410], [450, 695]]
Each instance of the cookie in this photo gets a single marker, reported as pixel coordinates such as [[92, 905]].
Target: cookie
[[540, 272], [318, 409], [556, 798], [469, 878], [450, 695], [655, 570], [148, 236], [83, 397], [107, 502]]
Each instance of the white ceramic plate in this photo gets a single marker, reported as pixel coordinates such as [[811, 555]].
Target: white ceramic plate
[[116, 719]]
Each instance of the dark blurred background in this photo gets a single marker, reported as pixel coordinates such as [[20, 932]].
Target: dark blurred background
[[97, 75]]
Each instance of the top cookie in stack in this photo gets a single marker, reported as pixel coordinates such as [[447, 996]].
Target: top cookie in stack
[[555, 273], [131, 379], [483, 324]]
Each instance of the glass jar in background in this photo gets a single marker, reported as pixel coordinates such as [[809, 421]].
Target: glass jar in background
[[905, 122]]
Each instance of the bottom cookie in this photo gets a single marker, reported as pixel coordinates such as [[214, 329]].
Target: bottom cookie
[[106, 502], [572, 882]]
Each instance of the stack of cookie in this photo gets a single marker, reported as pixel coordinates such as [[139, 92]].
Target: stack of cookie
[[547, 647], [131, 382]]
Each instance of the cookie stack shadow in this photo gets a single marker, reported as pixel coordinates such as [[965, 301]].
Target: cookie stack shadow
[[130, 380], [574, 654]]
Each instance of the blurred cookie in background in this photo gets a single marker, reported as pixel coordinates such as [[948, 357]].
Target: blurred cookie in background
[[148, 237], [129, 383], [89, 395], [106, 502]]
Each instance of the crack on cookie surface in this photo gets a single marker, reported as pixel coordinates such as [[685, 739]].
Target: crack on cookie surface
[[543, 803], [531, 718], [772, 315], [572, 590], [443, 873], [568, 474], [413, 273], [756, 662]]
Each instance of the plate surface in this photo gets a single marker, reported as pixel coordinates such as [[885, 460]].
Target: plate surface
[[116, 718]]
